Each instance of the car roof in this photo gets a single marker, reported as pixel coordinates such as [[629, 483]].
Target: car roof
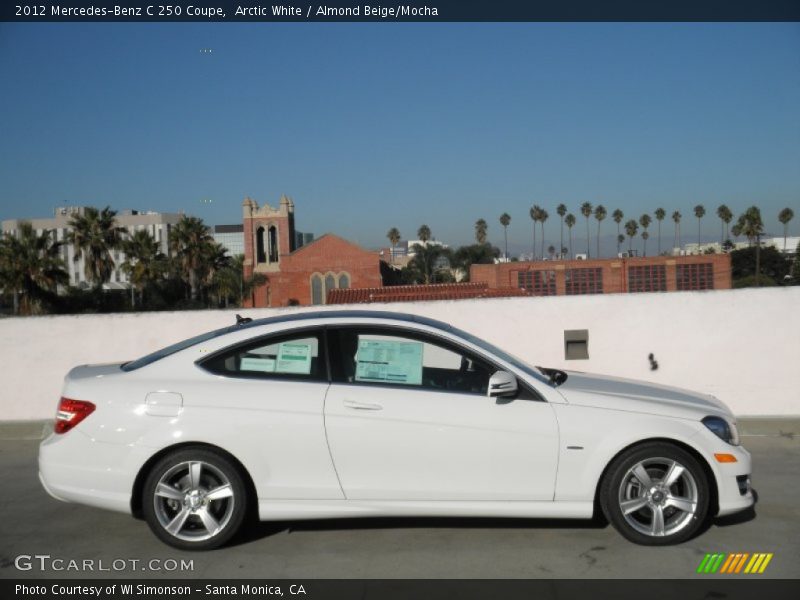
[[345, 315]]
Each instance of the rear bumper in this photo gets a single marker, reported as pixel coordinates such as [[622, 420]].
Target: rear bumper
[[75, 468]]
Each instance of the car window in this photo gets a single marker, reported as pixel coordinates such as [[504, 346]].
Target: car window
[[369, 356], [295, 356]]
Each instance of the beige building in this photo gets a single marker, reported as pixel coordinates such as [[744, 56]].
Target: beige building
[[157, 224]]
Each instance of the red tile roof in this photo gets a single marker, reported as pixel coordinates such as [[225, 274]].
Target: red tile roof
[[417, 293]]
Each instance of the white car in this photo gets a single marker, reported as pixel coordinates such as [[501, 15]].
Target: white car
[[356, 413]]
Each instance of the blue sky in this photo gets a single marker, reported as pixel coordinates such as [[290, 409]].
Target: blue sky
[[369, 126]]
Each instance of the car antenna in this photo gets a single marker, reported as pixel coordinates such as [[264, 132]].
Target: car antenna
[[240, 320]]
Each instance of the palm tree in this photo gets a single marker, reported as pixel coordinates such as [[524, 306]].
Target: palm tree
[[736, 230], [394, 236], [423, 265], [481, 229], [94, 233], [725, 215], [569, 221], [660, 213], [31, 263], [699, 212], [543, 216], [424, 234], [599, 214], [676, 217], [618, 215], [586, 211], [786, 215], [535, 212], [144, 262], [645, 221], [752, 226], [631, 227], [561, 209], [505, 221], [189, 241]]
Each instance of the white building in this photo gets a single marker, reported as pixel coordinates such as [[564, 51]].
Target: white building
[[766, 242], [157, 224]]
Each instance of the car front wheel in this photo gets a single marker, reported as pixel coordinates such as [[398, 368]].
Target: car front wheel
[[194, 499], [655, 494]]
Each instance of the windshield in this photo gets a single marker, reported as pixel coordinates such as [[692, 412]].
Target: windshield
[[164, 352], [503, 355]]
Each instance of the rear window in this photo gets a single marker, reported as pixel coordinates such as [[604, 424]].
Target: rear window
[[169, 350]]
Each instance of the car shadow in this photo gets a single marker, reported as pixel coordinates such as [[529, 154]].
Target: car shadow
[[259, 530]]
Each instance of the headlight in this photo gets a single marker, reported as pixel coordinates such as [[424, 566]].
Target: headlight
[[724, 430]]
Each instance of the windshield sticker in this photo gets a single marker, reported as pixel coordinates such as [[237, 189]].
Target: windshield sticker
[[294, 357], [264, 365], [389, 362]]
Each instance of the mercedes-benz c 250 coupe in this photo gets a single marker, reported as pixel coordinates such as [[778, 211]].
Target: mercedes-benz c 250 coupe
[[357, 413]]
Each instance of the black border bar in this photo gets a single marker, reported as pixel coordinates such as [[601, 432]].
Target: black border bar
[[400, 10], [744, 587]]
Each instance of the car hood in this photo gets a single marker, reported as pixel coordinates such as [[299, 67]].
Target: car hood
[[602, 391]]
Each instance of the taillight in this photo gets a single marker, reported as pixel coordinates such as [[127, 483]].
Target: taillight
[[70, 413]]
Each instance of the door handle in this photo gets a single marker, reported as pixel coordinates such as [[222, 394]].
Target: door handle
[[362, 405]]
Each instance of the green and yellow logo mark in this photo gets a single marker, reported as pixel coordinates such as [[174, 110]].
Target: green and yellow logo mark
[[740, 562]]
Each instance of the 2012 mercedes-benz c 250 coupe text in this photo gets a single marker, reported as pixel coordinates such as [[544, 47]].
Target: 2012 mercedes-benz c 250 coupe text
[[357, 413]]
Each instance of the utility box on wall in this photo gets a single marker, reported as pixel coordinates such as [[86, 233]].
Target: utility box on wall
[[576, 344]]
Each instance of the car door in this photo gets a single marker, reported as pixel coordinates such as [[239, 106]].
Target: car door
[[265, 402], [408, 418]]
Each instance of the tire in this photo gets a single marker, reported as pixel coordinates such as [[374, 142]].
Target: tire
[[195, 499], [655, 494]]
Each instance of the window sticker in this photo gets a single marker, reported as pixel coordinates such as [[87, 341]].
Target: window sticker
[[390, 362], [264, 365], [294, 357]]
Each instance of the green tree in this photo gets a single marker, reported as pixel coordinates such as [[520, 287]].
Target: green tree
[[424, 267], [424, 234], [586, 211], [772, 266], [505, 221], [699, 212], [631, 227], [645, 221], [190, 242], [752, 227], [94, 234], [561, 210], [618, 215], [475, 254], [660, 214], [144, 262], [676, 218], [481, 230], [394, 236], [725, 216], [31, 265], [599, 214], [569, 221], [786, 215]]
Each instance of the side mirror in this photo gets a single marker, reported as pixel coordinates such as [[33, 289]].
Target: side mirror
[[502, 385]]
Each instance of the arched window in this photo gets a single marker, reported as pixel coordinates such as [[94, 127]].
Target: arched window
[[260, 254], [344, 281], [330, 283], [316, 289], [273, 243]]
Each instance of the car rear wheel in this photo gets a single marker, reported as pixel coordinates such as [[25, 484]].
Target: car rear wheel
[[194, 499], [655, 494]]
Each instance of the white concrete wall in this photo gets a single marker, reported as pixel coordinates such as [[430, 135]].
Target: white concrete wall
[[741, 345]]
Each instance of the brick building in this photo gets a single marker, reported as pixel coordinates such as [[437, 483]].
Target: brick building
[[299, 275], [609, 276]]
